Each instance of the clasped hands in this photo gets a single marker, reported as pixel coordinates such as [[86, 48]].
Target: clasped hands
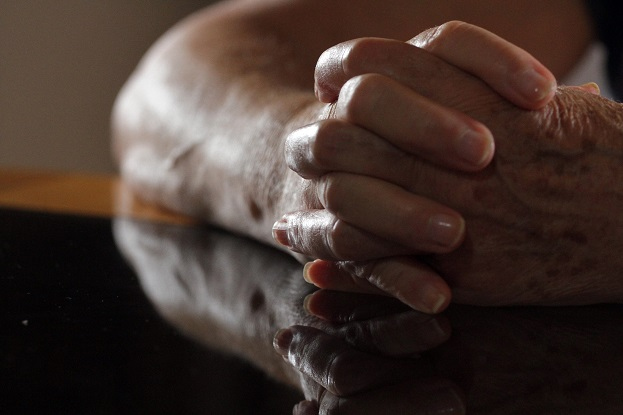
[[405, 154]]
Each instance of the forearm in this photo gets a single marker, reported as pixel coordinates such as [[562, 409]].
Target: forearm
[[200, 126]]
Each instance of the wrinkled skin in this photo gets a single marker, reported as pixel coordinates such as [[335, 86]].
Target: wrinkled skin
[[543, 222], [537, 218], [394, 103], [189, 151]]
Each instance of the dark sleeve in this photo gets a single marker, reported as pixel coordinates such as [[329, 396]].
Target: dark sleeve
[[607, 16]]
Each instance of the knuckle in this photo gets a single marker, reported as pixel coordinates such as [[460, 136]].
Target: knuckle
[[561, 121], [327, 59], [383, 276], [326, 142], [451, 29], [308, 191], [327, 68], [295, 152], [438, 36], [360, 335], [339, 374], [353, 62], [338, 241], [374, 274], [321, 235], [296, 232], [359, 96], [412, 168], [331, 191], [360, 269]]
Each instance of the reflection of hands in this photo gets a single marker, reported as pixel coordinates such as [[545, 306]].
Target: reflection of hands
[[234, 293], [512, 361], [370, 362], [225, 291], [335, 376], [395, 104]]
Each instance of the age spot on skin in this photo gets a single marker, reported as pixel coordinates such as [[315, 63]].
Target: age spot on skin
[[255, 210], [257, 301]]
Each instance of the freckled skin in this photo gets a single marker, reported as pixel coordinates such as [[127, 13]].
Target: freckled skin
[[211, 144], [543, 221]]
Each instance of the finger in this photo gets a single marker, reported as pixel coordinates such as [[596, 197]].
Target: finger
[[412, 397], [389, 211], [404, 278], [336, 145], [399, 335], [393, 58], [449, 59], [376, 325], [346, 307], [320, 234], [335, 365], [329, 275], [508, 69], [305, 408], [414, 123]]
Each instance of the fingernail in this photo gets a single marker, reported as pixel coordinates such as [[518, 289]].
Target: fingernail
[[534, 86], [433, 301], [445, 230], [306, 272], [280, 232], [591, 87], [475, 147], [282, 340], [306, 302]]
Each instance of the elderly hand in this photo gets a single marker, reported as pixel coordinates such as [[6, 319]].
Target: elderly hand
[[396, 104], [544, 223]]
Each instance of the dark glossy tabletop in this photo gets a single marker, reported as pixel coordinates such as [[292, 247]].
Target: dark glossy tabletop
[[116, 316], [79, 336]]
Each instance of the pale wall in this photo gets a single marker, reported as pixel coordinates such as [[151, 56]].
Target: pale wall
[[62, 63]]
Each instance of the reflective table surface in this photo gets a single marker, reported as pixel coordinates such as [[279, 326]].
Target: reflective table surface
[[79, 336], [118, 315]]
